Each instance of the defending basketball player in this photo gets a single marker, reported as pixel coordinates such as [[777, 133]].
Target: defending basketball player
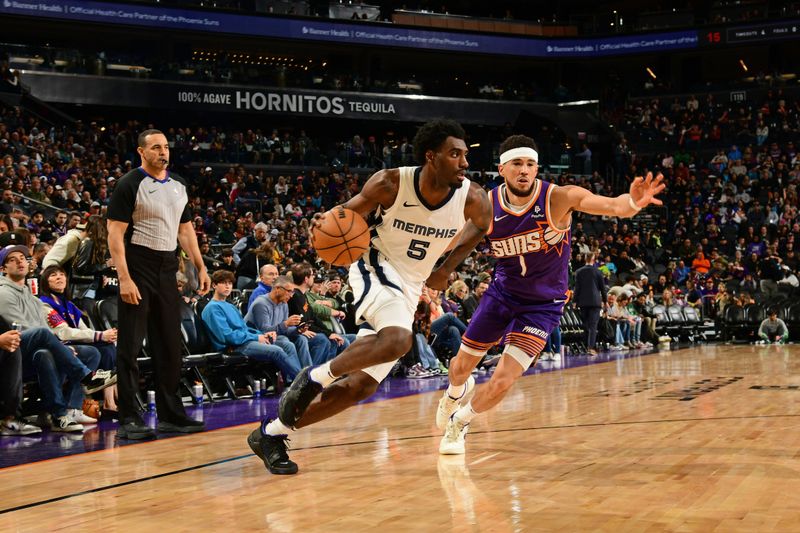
[[530, 236], [414, 214]]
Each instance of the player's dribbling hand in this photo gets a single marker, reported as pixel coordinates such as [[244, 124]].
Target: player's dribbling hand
[[316, 221], [129, 292], [644, 190]]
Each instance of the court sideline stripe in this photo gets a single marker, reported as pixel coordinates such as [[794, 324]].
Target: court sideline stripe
[[357, 443]]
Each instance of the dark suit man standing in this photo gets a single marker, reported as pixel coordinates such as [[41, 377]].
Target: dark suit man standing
[[589, 295]]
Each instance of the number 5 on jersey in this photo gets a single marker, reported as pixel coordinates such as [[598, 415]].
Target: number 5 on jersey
[[418, 249]]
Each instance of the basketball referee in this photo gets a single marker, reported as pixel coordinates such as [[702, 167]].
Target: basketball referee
[[147, 217]]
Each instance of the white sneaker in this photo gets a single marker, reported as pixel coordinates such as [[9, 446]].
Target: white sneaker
[[17, 427], [448, 405], [77, 415], [546, 356], [453, 441], [65, 424]]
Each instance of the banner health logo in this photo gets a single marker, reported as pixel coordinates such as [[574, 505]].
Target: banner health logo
[[307, 103]]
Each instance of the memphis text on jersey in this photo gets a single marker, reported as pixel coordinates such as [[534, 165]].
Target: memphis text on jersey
[[425, 231]]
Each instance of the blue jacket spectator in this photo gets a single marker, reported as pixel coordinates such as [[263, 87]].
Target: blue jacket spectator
[[227, 329]]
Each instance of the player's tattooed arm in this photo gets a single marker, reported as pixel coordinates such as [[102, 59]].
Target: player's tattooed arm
[[478, 212]]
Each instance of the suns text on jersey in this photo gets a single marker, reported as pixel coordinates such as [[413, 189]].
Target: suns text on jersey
[[524, 243]]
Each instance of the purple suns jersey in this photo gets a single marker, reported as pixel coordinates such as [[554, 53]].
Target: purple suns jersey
[[532, 253]]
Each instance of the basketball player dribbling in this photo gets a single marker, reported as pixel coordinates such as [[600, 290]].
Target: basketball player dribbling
[[414, 214], [530, 236]]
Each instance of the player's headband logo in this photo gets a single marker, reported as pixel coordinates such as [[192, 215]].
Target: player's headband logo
[[518, 153]]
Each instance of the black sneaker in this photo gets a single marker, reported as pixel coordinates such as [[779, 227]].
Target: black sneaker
[[273, 451], [186, 425], [296, 399], [135, 430]]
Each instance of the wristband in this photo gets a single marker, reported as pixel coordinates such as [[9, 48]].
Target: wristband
[[633, 204]]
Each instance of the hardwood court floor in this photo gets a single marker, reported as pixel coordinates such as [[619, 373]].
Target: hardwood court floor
[[701, 439]]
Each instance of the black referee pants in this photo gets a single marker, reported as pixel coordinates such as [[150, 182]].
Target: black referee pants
[[157, 317]]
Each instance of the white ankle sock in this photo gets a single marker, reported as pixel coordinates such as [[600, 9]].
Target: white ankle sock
[[456, 391], [465, 413], [322, 374], [275, 427]]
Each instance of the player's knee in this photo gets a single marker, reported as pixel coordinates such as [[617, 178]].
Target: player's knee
[[500, 384], [394, 342], [360, 387]]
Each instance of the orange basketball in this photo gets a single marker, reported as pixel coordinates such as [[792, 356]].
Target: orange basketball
[[341, 237]]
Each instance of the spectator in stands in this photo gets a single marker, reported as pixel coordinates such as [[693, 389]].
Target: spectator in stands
[[769, 272], [68, 324], [226, 258], [470, 303], [622, 328], [748, 284], [11, 384], [270, 312], [65, 248], [248, 269], [426, 365], [259, 236], [693, 295], [93, 276], [589, 295], [60, 224], [266, 276], [302, 275], [635, 321], [43, 354], [326, 317], [701, 264], [40, 250], [447, 327], [227, 329], [649, 320], [709, 294], [773, 329]]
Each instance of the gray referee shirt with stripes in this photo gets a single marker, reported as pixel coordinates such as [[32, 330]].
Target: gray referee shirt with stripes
[[152, 208]]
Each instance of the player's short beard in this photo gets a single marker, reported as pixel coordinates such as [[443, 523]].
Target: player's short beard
[[522, 193]]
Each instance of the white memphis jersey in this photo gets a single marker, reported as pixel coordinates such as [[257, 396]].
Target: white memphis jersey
[[412, 234]]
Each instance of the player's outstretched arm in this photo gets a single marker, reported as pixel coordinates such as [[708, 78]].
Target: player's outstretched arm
[[478, 212], [642, 193]]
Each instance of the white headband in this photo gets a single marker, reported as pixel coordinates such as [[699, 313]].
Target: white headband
[[518, 153]]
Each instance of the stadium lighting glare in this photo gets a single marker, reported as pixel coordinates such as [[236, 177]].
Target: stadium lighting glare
[[652, 74], [743, 64], [475, 145]]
